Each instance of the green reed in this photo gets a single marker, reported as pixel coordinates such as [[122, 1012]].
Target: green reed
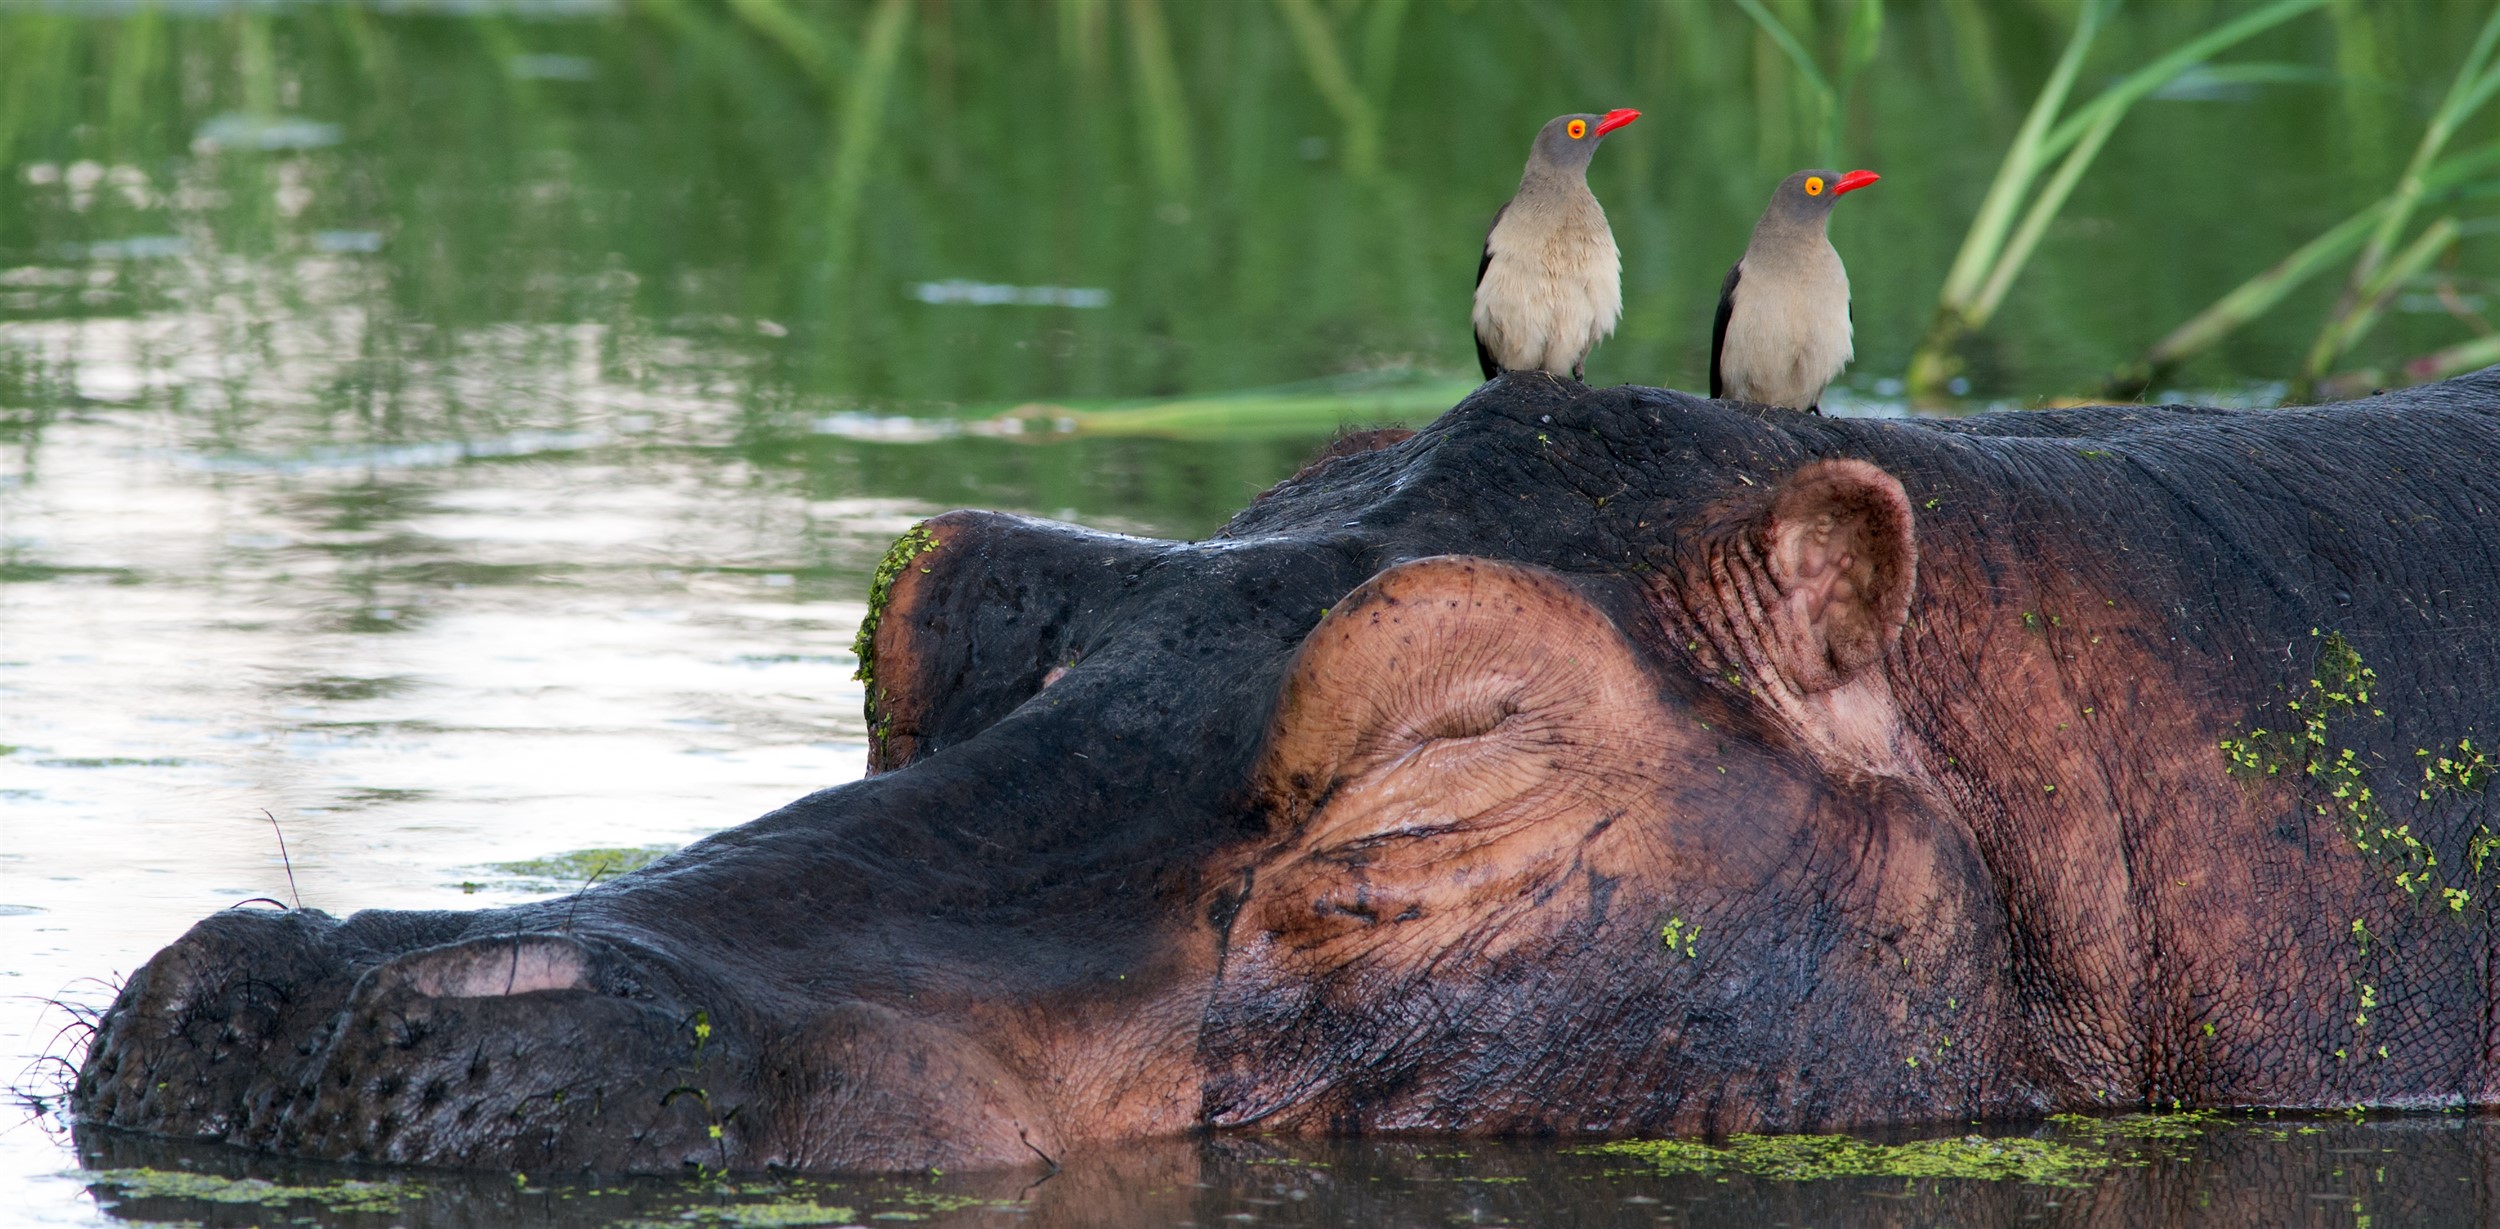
[[1997, 247], [1269, 191], [2381, 269]]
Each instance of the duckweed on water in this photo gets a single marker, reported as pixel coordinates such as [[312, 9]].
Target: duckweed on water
[[583, 865], [1809, 1158], [2083, 1144], [785, 1214], [206, 1188], [2136, 1128]]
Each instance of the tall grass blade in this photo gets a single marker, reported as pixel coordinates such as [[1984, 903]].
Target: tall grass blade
[[2466, 94], [2043, 211], [1994, 251], [1081, 25], [2455, 360], [138, 47], [1788, 44], [1327, 67], [1380, 49], [2250, 300], [256, 58], [1270, 415], [2361, 60], [2473, 85], [1161, 111], [857, 128], [1865, 41], [1818, 86], [371, 50], [818, 49], [2267, 290], [2132, 88], [2347, 329], [1974, 53], [35, 67], [2023, 160]]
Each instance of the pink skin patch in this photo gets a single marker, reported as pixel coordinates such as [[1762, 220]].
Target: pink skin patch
[[495, 968]]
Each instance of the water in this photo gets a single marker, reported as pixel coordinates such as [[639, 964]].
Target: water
[[451, 436], [2433, 1173]]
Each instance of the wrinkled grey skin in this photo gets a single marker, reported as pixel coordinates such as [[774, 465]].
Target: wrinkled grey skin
[[1367, 814]]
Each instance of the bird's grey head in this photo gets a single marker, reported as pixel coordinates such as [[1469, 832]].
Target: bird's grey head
[[1806, 197], [1567, 141]]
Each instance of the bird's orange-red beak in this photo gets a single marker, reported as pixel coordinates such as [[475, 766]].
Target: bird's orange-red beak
[[1616, 118], [1853, 181]]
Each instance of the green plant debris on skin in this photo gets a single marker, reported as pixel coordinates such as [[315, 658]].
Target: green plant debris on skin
[[346, 1196], [584, 865], [915, 542], [2334, 781], [1677, 935], [2341, 688]]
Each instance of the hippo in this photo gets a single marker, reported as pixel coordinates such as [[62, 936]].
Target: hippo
[[1590, 762]]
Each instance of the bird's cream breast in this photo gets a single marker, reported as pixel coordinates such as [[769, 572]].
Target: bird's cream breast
[[1788, 332], [1554, 286]]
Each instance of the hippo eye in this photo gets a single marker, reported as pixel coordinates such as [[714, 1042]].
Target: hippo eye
[[1814, 185], [1578, 129]]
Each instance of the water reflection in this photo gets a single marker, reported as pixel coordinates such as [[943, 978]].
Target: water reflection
[[2429, 1172]]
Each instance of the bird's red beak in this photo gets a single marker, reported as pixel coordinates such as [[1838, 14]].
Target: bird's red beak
[[1616, 118], [1853, 181]]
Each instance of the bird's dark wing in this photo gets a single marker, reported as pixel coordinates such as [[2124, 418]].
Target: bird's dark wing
[[1484, 357], [1718, 326], [1486, 261]]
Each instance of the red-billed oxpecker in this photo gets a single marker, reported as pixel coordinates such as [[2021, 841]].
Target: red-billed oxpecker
[[1783, 327], [1550, 286]]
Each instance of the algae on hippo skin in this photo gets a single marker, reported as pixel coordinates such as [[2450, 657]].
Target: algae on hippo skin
[[915, 542], [2340, 689]]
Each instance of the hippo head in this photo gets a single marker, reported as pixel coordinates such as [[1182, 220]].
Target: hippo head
[[1545, 772]]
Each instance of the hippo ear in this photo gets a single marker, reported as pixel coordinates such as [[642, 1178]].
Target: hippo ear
[[1812, 581], [971, 615], [1456, 694]]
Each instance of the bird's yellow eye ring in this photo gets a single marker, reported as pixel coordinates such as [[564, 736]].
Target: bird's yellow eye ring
[[1814, 185], [1578, 128]]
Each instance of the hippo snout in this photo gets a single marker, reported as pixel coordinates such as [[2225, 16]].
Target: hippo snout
[[520, 1051], [294, 1031], [200, 1027], [384, 1039]]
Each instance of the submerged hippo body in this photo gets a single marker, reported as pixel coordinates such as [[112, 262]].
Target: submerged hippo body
[[1591, 762]]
